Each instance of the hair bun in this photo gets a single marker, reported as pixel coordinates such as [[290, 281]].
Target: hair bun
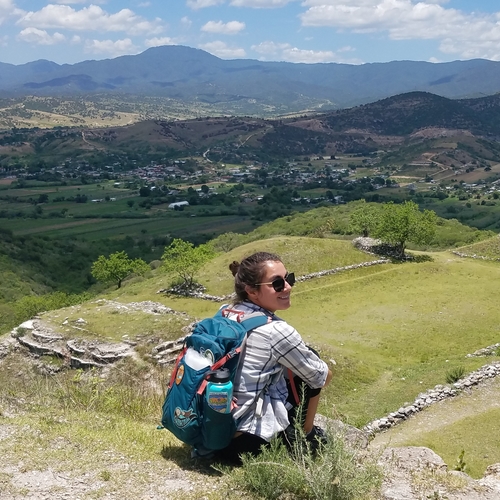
[[234, 266]]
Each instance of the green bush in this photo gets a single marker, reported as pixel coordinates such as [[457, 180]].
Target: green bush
[[455, 374], [30, 305], [335, 472]]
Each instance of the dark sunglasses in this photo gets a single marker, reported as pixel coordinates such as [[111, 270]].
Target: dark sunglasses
[[279, 283]]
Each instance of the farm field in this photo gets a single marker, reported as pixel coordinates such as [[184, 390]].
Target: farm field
[[100, 228], [118, 213]]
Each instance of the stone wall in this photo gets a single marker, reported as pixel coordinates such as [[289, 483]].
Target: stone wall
[[438, 393], [199, 292], [473, 256]]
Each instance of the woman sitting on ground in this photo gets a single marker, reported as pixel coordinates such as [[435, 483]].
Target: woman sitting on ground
[[266, 405]]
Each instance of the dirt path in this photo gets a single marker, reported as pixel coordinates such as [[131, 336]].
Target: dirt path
[[442, 414]]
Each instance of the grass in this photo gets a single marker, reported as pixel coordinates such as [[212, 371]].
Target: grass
[[489, 248], [298, 254], [466, 422], [107, 322], [101, 433], [92, 229], [392, 328]]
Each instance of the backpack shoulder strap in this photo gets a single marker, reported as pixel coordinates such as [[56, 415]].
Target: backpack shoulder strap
[[248, 320], [254, 320]]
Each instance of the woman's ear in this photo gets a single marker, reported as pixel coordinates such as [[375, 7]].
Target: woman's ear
[[251, 291]]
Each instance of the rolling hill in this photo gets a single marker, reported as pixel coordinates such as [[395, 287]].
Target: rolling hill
[[396, 121]]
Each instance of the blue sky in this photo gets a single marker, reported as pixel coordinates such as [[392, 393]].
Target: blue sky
[[308, 31]]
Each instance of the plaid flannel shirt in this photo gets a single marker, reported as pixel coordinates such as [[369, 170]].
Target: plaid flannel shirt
[[259, 385]]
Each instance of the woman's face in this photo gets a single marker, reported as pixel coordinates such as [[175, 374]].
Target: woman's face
[[265, 295]]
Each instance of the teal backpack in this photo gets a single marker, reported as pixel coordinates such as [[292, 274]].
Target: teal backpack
[[219, 340]]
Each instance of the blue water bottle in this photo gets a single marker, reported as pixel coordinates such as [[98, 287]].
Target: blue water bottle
[[218, 423], [219, 391]]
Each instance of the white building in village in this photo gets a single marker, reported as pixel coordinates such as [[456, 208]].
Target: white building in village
[[178, 204]]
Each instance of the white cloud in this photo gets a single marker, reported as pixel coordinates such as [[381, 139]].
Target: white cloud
[[347, 48], [76, 40], [186, 22], [157, 42], [8, 9], [201, 4], [4, 41], [286, 52], [220, 49], [71, 2], [260, 4], [145, 4], [91, 18], [269, 48], [293, 54], [252, 4], [230, 28], [110, 47], [40, 37], [465, 34]]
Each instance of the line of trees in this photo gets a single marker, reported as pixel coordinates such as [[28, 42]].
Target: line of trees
[[394, 224]]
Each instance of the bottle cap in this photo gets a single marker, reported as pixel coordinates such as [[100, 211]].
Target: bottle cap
[[220, 376]]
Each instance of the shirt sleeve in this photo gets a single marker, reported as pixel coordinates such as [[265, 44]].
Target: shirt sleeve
[[290, 351]]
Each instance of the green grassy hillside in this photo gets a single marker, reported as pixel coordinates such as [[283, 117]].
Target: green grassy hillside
[[490, 248], [394, 330]]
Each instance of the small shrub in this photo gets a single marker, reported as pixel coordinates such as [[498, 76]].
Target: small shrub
[[454, 374], [460, 464], [31, 305], [336, 471], [105, 475], [20, 332], [422, 258]]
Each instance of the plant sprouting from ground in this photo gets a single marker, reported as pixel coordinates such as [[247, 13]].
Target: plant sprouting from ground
[[455, 374], [335, 471], [460, 464]]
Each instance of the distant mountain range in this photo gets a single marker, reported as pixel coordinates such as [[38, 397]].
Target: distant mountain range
[[187, 74]]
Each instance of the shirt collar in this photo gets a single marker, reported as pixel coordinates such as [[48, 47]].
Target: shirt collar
[[256, 308]]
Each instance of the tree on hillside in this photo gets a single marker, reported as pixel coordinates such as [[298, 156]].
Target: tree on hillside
[[227, 241], [117, 267], [364, 219], [400, 224], [185, 260]]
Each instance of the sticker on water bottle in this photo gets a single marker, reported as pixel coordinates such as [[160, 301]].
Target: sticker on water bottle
[[217, 401]]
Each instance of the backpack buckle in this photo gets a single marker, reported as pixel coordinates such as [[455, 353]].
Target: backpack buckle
[[239, 314]]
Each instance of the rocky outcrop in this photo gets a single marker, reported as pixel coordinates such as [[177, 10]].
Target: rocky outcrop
[[167, 352], [415, 473], [490, 350], [40, 339], [336, 270], [147, 306]]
